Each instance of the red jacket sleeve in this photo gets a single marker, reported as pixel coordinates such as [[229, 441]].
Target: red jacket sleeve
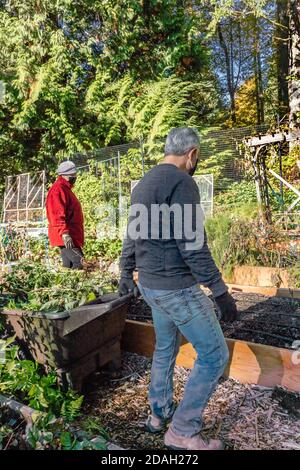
[[56, 210]]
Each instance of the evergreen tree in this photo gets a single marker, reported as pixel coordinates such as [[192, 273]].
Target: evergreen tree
[[74, 72]]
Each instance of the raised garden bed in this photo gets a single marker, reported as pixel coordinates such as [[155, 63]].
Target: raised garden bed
[[263, 320], [260, 276], [75, 343], [260, 343], [286, 292]]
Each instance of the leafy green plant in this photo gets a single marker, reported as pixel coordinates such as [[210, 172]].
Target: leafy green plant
[[294, 274], [34, 287], [105, 249], [237, 195], [23, 380], [55, 424], [5, 432], [49, 432], [92, 424], [92, 191]]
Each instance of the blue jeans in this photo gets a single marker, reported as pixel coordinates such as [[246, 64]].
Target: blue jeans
[[190, 312]]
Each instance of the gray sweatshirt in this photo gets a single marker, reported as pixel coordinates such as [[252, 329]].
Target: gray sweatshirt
[[168, 263]]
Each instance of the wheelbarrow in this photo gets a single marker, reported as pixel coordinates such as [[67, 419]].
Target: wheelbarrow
[[75, 343]]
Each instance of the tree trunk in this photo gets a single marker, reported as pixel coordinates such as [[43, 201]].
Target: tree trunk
[[282, 60], [294, 58], [229, 72], [258, 75]]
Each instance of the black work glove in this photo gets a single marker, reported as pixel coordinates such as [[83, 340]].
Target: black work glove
[[126, 285], [68, 242], [227, 306]]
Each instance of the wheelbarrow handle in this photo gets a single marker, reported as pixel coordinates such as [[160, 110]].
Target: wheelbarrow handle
[[123, 299]]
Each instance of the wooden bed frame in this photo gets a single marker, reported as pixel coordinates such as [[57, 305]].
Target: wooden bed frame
[[249, 362]]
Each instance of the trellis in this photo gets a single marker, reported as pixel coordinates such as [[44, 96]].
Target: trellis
[[262, 172], [24, 199], [22, 214]]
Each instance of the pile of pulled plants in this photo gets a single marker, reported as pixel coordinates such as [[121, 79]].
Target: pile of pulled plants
[[35, 287]]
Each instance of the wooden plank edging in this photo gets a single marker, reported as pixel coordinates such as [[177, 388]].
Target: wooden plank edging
[[268, 291], [262, 276], [29, 414], [248, 363]]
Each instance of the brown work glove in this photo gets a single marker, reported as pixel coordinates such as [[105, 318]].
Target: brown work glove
[[227, 307], [68, 242]]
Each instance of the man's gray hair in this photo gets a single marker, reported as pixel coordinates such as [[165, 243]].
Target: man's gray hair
[[180, 140]]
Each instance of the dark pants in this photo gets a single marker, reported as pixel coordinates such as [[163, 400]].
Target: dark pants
[[72, 258]]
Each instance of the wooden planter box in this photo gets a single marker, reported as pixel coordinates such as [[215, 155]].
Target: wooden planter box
[[248, 363], [75, 343], [260, 276], [268, 291]]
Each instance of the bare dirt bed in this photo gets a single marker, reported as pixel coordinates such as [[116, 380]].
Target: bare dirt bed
[[243, 416], [273, 321]]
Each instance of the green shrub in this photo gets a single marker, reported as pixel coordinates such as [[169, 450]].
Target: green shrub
[[237, 238], [238, 194], [54, 423], [106, 249], [294, 275]]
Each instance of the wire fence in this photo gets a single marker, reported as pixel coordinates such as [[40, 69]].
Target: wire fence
[[222, 162], [118, 168], [221, 154]]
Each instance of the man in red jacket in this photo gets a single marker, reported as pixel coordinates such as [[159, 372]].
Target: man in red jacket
[[65, 217]]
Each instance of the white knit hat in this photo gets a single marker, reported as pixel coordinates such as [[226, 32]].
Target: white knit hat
[[66, 168]]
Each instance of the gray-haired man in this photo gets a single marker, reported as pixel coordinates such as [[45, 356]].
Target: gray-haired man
[[170, 271]]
